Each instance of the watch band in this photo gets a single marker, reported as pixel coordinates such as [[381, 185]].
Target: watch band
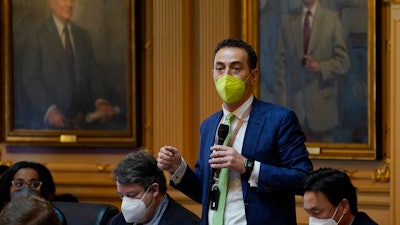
[[248, 165]]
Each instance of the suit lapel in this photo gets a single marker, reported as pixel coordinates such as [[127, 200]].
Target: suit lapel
[[316, 28], [254, 127], [53, 41], [297, 32], [77, 41], [51, 38], [213, 129], [211, 132], [253, 130], [79, 49]]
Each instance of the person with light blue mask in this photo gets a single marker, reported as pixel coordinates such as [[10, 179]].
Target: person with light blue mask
[[330, 199], [143, 191], [249, 176], [28, 178]]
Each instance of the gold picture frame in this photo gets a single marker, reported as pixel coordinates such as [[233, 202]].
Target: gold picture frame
[[111, 27], [261, 28]]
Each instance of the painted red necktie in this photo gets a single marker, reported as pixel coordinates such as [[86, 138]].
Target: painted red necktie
[[306, 32]]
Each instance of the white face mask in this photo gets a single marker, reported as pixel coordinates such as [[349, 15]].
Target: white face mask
[[133, 209], [330, 221]]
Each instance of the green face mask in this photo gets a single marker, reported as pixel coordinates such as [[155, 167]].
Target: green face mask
[[230, 88]]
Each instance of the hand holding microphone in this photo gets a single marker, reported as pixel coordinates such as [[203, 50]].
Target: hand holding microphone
[[222, 133]]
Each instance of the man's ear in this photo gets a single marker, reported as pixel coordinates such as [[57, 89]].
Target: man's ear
[[155, 188], [254, 75], [345, 205]]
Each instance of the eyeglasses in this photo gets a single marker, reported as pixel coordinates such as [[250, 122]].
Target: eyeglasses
[[20, 184]]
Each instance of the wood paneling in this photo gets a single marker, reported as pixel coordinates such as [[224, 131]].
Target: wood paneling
[[178, 85]]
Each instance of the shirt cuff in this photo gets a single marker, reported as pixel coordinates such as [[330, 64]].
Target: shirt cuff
[[46, 116], [253, 180], [177, 176], [100, 100]]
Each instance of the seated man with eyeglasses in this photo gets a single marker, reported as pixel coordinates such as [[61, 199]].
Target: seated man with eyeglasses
[[27, 178]]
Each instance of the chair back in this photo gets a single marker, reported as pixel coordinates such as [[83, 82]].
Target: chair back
[[82, 213]]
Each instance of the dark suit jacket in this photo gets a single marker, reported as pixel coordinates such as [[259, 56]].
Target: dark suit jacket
[[44, 75], [363, 219], [274, 138], [173, 215]]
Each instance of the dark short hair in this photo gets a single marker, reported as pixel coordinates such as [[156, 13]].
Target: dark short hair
[[30, 209], [47, 190], [140, 167], [334, 184], [237, 43]]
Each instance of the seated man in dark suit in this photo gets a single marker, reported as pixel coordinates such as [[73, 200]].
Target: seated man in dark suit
[[331, 198], [142, 187]]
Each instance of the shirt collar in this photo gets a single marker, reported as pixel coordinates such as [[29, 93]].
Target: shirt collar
[[159, 211], [60, 26], [312, 10], [242, 109]]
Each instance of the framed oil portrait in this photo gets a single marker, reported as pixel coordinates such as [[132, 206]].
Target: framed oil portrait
[[327, 77], [69, 72]]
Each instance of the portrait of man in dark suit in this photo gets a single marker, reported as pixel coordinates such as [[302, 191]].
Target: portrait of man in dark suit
[[65, 75]]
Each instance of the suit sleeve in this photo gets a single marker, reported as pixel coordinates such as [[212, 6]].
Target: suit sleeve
[[287, 162]]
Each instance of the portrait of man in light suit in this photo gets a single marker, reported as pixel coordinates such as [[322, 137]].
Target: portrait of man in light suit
[[309, 74], [325, 83]]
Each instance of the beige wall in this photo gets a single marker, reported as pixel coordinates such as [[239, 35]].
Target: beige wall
[[178, 94]]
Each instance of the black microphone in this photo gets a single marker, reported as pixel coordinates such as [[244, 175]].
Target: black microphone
[[222, 133], [214, 192]]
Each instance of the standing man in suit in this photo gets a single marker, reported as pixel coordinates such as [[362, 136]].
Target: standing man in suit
[[59, 74], [266, 157], [312, 55]]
